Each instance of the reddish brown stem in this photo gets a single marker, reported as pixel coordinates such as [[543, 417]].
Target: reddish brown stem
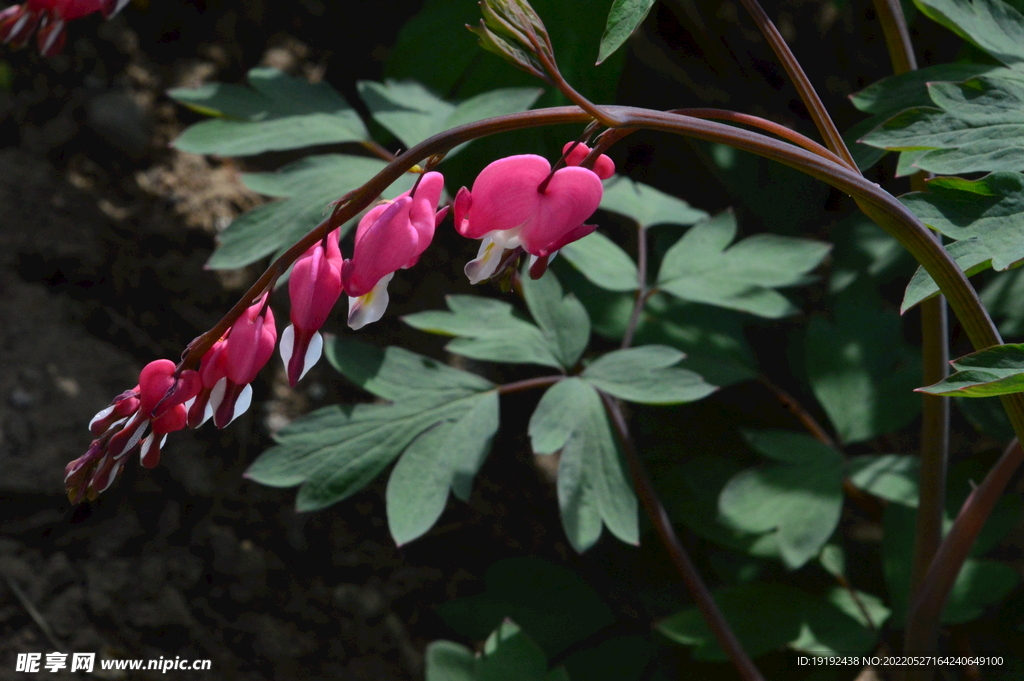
[[677, 552]]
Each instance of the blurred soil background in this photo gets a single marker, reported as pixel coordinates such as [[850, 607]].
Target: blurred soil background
[[104, 230]]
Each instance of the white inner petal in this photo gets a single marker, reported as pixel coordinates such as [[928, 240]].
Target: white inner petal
[[313, 353], [243, 402], [369, 308], [287, 345], [486, 263], [103, 413]]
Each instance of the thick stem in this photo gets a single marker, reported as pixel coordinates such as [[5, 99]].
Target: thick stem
[[897, 35], [930, 599], [680, 558], [819, 114], [934, 409]]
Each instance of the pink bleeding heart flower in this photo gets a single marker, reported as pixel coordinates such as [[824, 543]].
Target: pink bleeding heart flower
[[155, 406], [314, 288], [18, 22], [391, 236], [249, 346], [507, 210], [211, 370]]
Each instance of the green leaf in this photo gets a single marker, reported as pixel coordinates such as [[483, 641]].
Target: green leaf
[[893, 477], [990, 209], [861, 370], [509, 654], [602, 262], [647, 206], [551, 601], [592, 485], [562, 319], [970, 254], [395, 373], [744, 277], [976, 127], [277, 112], [623, 18], [336, 451], [865, 156], [998, 370], [766, 617], [447, 456], [908, 90], [306, 187], [646, 374], [488, 330], [412, 113], [799, 498], [711, 337], [448, 661], [993, 25], [690, 492]]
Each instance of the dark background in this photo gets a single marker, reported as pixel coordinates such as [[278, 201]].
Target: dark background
[[103, 234]]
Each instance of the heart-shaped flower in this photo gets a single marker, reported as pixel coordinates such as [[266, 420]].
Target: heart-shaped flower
[[511, 207]]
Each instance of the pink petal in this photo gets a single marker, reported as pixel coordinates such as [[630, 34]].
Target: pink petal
[[571, 197], [250, 344], [385, 247], [315, 285], [504, 195]]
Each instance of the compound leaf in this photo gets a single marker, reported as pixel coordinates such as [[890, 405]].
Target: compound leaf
[[277, 112], [744, 277]]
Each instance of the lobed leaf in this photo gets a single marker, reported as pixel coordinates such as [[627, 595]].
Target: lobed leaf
[[860, 368], [592, 487], [277, 112], [412, 113], [997, 370], [336, 451], [799, 499], [993, 25], [744, 277], [970, 255], [647, 206], [990, 209], [306, 188], [562, 319], [971, 126], [646, 374], [602, 262]]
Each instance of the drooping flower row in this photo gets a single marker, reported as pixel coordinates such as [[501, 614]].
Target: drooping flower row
[[517, 205], [50, 17]]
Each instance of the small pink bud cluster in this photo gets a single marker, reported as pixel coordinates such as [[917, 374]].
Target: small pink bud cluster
[[19, 22], [518, 203], [137, 420]]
